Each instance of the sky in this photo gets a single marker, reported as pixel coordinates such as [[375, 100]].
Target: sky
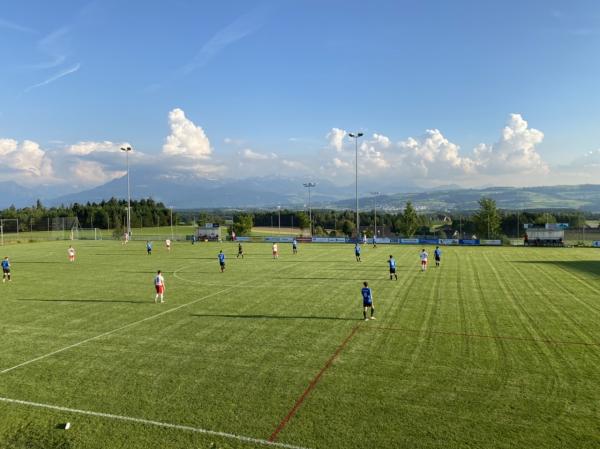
[[465, 93]]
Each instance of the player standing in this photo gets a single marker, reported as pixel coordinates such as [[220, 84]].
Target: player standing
[[5, 269], [221, 257], [437, 254], [240, 251], [71, 253], [168, 244], [357, 251], [367, 296], [424, 257], [392, 263], [295, 246], [275, 251], [159, 285], [149, 247]]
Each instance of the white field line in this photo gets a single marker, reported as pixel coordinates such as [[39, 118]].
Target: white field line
[[148, 422], [135, 323]]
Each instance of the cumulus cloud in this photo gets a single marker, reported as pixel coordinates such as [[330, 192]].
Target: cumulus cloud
[[89, 147], [186, 138], [26, 161], [434, 151], [336, 138], [92, 173], [515, 152]]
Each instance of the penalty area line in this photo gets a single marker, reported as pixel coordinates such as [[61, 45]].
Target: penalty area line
[[148, 422], [126, 326]]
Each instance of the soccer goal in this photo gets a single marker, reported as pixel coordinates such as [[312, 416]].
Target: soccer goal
[[9, 227], [86, 234]]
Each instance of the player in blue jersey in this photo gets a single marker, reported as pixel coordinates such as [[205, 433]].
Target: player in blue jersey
[[222, 261], [149, 247], [367, 296], [437, 254], [392, 264], [357, 252], [5, 269]]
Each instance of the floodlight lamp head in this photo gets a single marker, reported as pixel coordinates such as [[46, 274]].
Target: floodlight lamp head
[[359, 135]]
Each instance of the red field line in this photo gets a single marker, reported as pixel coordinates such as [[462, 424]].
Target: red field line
[[311, 386], [493, 337]]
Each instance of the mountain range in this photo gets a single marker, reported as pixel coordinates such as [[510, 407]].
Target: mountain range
[[190, 192]]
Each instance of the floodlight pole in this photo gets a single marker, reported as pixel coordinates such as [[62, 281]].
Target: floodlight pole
[[309, 185], [355, 136], [375, 214], [127, 150], [172, 235], [279, 218]]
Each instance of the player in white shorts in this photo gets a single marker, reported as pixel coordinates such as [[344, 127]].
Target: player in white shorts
[[424, 257], [159, 285], [71, 253], [168, 244]]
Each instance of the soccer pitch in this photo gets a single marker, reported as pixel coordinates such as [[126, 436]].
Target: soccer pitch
[[498, 348]]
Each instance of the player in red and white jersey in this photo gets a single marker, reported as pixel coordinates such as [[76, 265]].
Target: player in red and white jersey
[[159, 285], [424, 257], [71, 253]]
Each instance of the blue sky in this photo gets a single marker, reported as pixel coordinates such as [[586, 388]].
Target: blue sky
[[262, 87]]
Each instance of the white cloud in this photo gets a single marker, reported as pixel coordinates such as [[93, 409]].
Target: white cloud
[[336, 138], [92, 173], [515, 152], [186, 139], [89, 147], [24, 161], [249, 154], [433, 151]]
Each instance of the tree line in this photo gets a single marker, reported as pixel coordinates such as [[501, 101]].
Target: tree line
[[109, 214]]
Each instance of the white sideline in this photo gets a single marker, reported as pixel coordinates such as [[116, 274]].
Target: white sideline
[[215, 433], [104, 334]]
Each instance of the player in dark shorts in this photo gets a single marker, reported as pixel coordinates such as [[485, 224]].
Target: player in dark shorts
[[5, 269], [437, 254], [392, 264], [222, 261], [240, 251], [367, 296], [295, 246], [357, 252]]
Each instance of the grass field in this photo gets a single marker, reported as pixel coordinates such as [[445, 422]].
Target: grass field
[[499, 348]]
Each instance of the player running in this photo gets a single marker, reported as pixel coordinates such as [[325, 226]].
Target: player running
[[149, 247], [168, 244], [424, 257], [437, 254], [221, 257], [357, 252], [367, 296], [392, 264], [240, 251], [5, 269], [295, 246], [71, 253], [275, 251], [159, 285]]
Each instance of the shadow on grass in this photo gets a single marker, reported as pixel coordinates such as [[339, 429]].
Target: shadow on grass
[[274, 317], [86, 300], [585, 266]]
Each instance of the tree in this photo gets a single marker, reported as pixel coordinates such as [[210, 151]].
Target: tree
[[302, 220], [348, 227], [242, 224], [409, 222], [487, 219]]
